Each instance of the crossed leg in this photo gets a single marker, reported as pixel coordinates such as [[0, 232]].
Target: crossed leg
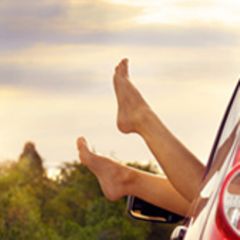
[[183, 170]]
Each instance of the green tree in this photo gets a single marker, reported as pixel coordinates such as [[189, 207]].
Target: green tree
[[71, 207]]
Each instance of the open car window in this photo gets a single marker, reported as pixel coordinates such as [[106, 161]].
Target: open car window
[[221, 156]]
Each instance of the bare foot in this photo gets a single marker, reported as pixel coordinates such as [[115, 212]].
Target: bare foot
[[113, 177], [131, 105]]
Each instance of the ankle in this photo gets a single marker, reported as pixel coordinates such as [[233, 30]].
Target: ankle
[[146, 116], [128, 180]]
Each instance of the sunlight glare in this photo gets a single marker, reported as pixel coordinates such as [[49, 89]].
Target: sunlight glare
[[177, 12]]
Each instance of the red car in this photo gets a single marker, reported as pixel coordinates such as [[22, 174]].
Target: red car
[[215, 214]]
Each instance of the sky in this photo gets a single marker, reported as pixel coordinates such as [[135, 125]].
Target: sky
[[57, 59]]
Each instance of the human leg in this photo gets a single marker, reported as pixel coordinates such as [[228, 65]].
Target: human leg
[[117, 180], [182, 168]]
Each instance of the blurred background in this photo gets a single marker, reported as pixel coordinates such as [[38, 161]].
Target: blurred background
[[57, 59]]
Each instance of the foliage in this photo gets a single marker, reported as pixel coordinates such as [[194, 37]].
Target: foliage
[[71, 207]]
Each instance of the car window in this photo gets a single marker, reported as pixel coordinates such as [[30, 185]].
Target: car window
[[222, 154]]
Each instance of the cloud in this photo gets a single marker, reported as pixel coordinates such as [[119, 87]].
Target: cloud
[[27, 9], [178, 36], [186, 11], [88, 69], [26, 23], [96, 16], [19, 77]]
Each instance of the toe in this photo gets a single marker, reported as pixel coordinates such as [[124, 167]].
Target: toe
[[84, 153], [122, 68], [125, 67], [117, 74], [81, 143], [117, 69], [121, 71]]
